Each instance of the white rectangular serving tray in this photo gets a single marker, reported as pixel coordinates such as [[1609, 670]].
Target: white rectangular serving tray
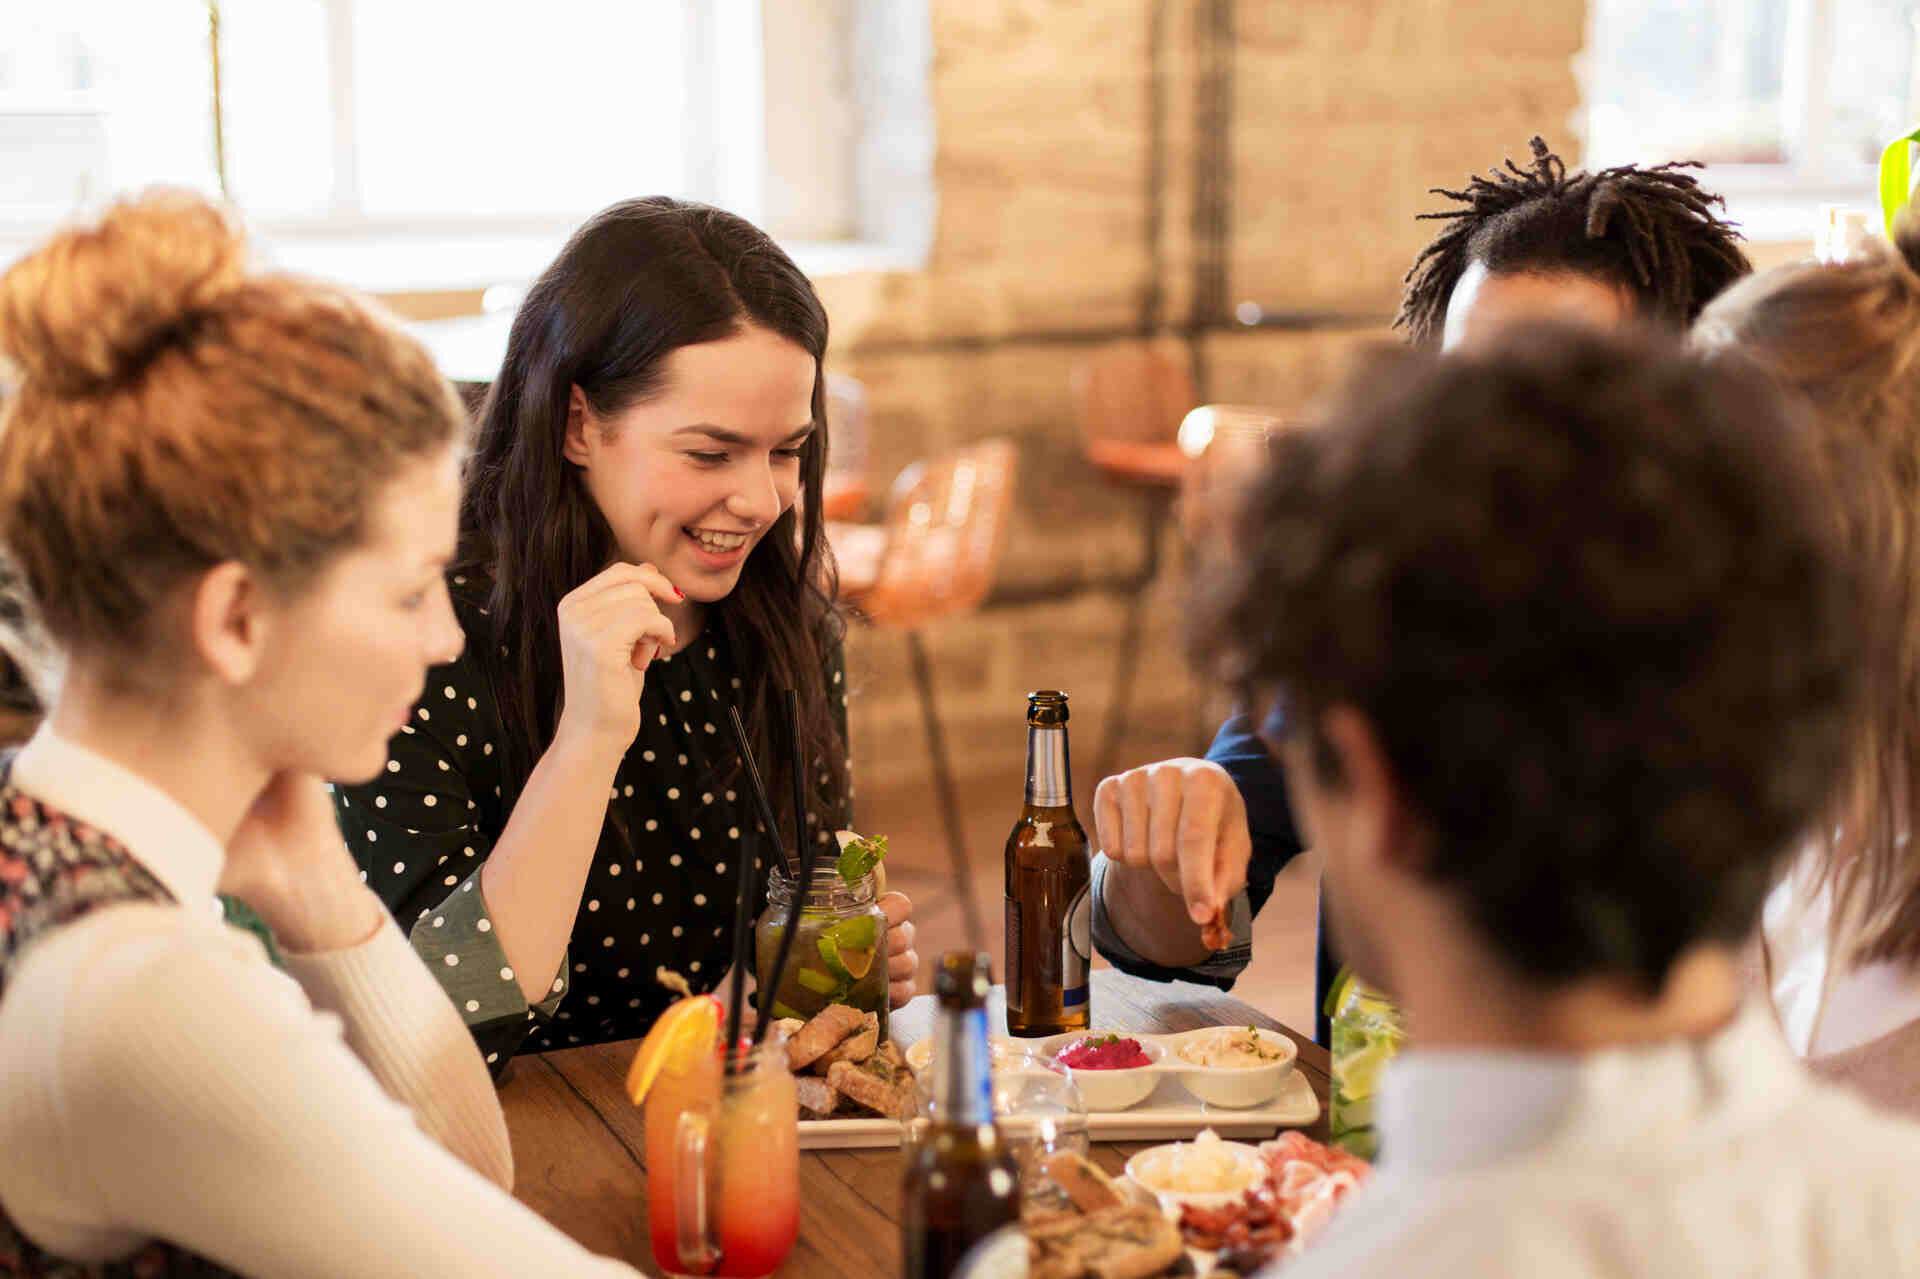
[[1169, 1113]]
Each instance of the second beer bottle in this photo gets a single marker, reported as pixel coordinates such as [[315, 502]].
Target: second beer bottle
[[1049, 915]]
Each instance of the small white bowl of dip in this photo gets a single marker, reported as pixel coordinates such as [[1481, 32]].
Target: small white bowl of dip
[[1231, 1066], [1204, 1173], [1109, 1088]]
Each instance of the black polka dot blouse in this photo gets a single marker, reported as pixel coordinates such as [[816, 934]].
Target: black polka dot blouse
[[661, 894]]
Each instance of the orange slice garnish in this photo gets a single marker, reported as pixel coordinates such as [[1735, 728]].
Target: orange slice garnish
[[682, 1036]]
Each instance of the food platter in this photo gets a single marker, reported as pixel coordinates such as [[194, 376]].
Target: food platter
[[1168, 1113]]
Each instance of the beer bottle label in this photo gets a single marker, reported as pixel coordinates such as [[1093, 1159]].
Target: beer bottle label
[[1076, 950], [1016, 978]]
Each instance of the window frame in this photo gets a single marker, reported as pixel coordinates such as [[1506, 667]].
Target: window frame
[[1781, 202]]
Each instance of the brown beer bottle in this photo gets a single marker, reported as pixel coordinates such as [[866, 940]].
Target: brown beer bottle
[[1049, 915], [961, 1183]]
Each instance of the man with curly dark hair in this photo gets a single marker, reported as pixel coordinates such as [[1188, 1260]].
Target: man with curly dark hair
[[1595, 246], [1568, 649], [1189, 843]]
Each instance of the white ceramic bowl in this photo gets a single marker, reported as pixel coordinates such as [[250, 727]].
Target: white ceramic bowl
[[1109, 1089], [1147, 1169], [1235, 1087], [1007, 1053]]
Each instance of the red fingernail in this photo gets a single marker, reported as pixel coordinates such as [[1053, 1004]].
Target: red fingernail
[[678, 593]]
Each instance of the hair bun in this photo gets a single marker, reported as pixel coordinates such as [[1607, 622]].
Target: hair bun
[[91, 307]]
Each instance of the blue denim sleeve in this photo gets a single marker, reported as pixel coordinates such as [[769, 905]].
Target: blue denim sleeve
[[1256, 774]]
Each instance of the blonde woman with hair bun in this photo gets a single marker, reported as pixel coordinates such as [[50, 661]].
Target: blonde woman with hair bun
[[1841, 932], [230, 496]]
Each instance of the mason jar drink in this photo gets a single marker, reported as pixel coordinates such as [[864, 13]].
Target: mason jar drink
[[839, 948], [1367, 1032]]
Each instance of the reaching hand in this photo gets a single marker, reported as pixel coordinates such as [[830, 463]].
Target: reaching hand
[[611, 629], [1184, 820]]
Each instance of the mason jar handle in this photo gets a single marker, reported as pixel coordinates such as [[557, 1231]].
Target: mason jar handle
[[694, 1235]]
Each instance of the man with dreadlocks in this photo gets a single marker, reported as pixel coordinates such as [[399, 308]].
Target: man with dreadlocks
[[1591, 247], [1193, 847]]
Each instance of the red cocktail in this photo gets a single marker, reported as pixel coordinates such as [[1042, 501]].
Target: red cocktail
[[723, 1165]]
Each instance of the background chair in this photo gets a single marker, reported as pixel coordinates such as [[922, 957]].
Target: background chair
[[846, 478], [935, 557]]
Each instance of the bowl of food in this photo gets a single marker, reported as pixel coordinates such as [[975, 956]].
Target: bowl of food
[[1003, 1054], [1231, 1066], [1114, 1070], [1203, 1173]]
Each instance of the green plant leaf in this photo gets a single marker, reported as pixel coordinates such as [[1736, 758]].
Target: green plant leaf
[[860, 856], [1895, 177]]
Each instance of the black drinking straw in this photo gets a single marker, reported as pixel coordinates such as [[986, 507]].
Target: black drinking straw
[[802, 879], [798, 755], [742, 911], [742, 950]]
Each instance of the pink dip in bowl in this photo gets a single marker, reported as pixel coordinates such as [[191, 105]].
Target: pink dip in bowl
[[1104, 1052]]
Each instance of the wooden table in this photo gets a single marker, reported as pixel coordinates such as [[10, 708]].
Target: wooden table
[[581, 1158]]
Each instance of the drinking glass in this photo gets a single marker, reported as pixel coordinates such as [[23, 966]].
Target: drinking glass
[[1037, 1108], [723, 1166], [839, 945]]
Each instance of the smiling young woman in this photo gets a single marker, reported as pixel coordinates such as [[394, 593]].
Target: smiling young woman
[[640, 549]]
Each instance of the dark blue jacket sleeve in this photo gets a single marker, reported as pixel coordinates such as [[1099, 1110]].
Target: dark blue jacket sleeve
[[1263, 788]]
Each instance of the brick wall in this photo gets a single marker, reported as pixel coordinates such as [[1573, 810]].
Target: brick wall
[[1342, 114]]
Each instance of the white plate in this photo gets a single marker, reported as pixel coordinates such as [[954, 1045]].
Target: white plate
[[1168, 1113]]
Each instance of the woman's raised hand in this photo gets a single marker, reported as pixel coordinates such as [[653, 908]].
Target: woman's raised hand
[[611, 629]]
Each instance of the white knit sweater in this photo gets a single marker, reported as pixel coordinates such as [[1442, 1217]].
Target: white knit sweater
[[163, 1080]]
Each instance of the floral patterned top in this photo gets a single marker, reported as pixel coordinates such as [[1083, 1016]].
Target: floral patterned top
[[54, 871]]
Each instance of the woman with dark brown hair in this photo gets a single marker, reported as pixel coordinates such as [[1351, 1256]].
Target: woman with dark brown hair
[[230, 496], [640, 551], [1842, 931]]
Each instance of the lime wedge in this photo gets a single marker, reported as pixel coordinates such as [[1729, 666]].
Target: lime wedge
[[817, 982], [858, 933], [1356, 1075], [1337, 993]]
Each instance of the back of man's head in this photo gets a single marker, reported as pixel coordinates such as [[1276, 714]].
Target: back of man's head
[[1587, 595]]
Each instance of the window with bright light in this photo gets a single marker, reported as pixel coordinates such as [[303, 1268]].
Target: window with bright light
[[426, 118], [1778, 97], [385, 110]]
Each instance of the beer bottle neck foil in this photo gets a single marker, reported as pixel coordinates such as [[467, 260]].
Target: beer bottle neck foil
[[1049, 780], [962, 1068]]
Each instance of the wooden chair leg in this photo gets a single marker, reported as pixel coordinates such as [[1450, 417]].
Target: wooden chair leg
[[943, 785]]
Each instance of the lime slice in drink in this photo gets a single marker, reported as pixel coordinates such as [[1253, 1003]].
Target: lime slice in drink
[[1356, 1075], [816, 981], [1337, 994], [858, 933], [847, 947], [848, 965]]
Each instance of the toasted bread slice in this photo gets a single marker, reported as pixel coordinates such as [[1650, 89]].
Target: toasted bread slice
[[818, 1099], [856, 1047], [889, 1052], [873, 1085], [1113, 1243], [1088, 1187], [821, 1034]]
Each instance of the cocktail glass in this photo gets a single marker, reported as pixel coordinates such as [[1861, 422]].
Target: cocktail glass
[[723, 1165], [839, 946]]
